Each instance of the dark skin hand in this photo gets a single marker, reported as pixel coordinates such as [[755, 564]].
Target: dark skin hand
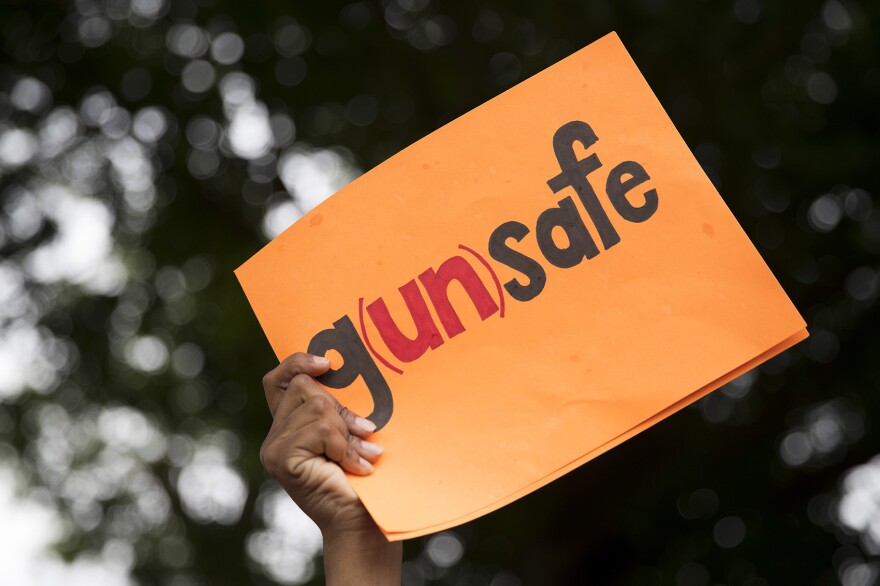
[[313, 439]]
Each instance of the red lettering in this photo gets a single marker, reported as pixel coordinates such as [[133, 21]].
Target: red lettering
[[404, 348], [436, 284]]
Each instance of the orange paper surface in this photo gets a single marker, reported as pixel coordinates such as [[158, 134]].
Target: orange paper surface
[[633, 331]]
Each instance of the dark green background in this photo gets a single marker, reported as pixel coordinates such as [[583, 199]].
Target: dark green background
[[779, 101]]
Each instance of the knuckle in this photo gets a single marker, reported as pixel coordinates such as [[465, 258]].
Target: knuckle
[[324, 429], [267, 458], [295, 470], [351, 452], [314, 406], [267, 380], [321, 404], [300, 381]]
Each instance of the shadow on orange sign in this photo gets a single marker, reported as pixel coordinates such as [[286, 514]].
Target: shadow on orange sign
[[520, 291]]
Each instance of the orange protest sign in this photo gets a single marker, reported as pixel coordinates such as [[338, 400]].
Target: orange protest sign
[[520, 291]]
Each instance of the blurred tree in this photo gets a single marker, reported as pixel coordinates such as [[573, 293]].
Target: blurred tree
[[148, 147]]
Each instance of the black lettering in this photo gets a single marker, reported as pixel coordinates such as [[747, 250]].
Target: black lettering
[[343, 338], [580, 243], [574, 173], [617, 190], [528, 266]]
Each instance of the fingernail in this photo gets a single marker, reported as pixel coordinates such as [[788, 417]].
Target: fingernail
[[366, 465], [370, 448], [321, 360], [364, 424]]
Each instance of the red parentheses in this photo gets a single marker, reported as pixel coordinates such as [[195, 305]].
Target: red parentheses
[[492, 272], [367, 340]]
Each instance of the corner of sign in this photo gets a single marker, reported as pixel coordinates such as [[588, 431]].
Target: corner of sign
[[242, 273], [612, 36]]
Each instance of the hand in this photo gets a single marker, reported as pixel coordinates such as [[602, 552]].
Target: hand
[[312, 440]]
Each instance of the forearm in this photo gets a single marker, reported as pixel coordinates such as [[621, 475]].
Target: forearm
[[313, 441], [361, 556]]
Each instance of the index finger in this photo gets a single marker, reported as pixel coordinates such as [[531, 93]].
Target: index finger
[[304, 387], [277, 380]]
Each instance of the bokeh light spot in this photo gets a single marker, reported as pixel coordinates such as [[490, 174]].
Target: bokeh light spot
[[824, 213], [198, 76], [821, 88], [729, 532], [146, 353], [31, 95], [445, 549], [227, 48]]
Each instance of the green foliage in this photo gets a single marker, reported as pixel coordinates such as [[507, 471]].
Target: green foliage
[[149, 147]]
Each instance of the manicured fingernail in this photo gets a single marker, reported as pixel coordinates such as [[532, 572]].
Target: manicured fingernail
[[370, 448], [321, 361], [366, 465], [364, 424]]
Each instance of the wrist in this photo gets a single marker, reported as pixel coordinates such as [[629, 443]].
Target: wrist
[[354, 535], [357, 552]]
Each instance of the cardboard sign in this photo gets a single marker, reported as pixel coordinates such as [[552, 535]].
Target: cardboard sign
[[520, 291]]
